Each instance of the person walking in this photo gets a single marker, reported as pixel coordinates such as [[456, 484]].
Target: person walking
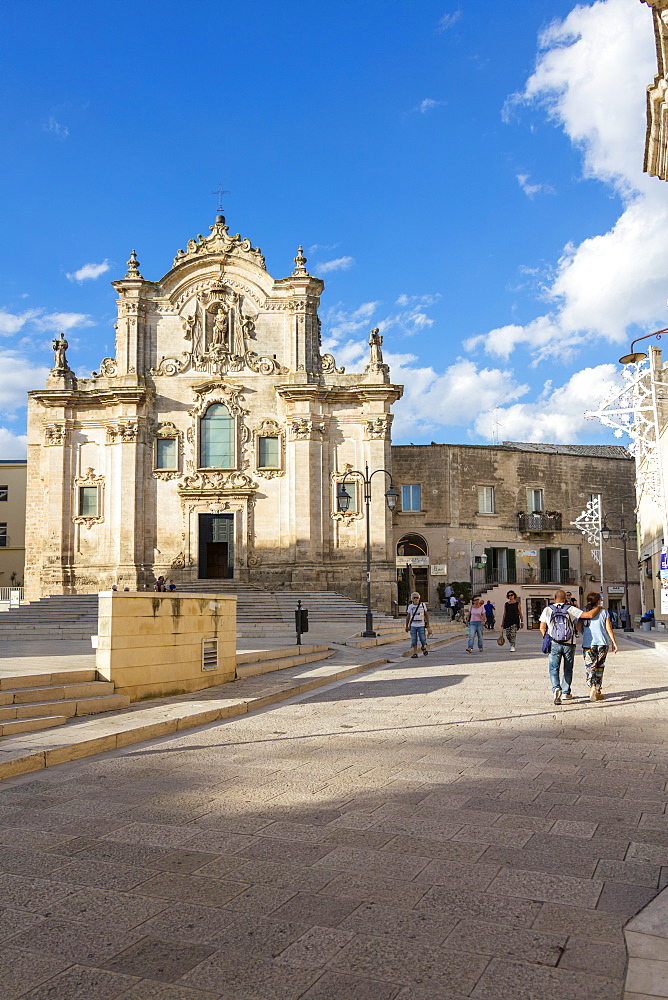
[[512, 618], [558, 622], [489, 611], [453, 607], [417, 623], [476, 619], [597, 637]]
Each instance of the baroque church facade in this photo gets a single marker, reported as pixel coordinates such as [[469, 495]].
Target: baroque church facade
[[213, 444]]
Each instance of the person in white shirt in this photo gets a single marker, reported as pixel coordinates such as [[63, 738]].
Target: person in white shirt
[[417, 623], [558, 621]]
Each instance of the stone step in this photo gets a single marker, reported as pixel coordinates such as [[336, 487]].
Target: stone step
[[31, 725], [294, 660], [58, 677], [56, 692], [70, 709]]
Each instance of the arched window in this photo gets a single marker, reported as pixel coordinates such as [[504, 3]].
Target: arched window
[[216, 438], [412, 545]]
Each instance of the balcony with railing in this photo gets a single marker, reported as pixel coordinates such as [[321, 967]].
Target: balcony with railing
[[529, 523], [485, 578]]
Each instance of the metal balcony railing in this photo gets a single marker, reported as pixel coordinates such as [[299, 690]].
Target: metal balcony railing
[[485, 578], [539, 522]]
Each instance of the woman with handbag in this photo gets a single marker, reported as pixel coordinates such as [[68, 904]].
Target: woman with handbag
[[512, 620], [417, 623]]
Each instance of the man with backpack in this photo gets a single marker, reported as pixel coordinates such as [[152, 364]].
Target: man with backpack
[[557, 622]]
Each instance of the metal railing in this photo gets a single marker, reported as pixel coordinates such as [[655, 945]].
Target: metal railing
[[9, 592], [485, 578], [539, 522]]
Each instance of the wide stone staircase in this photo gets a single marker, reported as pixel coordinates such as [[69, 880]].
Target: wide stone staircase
[[42, 701], [261, 614]]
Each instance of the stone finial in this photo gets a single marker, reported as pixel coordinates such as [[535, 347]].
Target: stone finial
[[60, 360], [133, 266], [300, 264]]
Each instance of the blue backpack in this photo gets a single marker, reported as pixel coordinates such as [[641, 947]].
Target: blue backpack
[[561, 627]]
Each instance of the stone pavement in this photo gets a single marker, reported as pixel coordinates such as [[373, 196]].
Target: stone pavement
[[432, 830]]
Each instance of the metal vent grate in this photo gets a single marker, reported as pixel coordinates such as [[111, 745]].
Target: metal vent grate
[[209, 654]]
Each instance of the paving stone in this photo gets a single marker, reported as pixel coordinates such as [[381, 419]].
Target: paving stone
[[103, 875], [506, 942], [84, 944], [374, 889], [82, 983], [182, 861], [409, 963], [219, 842], [597, 961], [192, 889], [165, 961], [21, 970], [153, 834], [653, 853], [315, 948], [256, 981], [121, 909], [377, 920], [260, 899], [128, 854], [547, 888], [190, 922], [618, 897], [372, 839], [15, 921], [594, 925], [148, 990], [289, 876], [505, 980], [444, 850], [33, 894], [325, 911], [475, 877], [354, 859], [461, 903], [541, 860], [335, 986], [290, 852], [633, 872], [493, 835], [536, 824]]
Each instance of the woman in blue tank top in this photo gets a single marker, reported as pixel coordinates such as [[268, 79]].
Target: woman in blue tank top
[[597, 637]]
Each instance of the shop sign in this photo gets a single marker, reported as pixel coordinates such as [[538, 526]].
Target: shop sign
[[439, 569], [615, 590], [414, 561]]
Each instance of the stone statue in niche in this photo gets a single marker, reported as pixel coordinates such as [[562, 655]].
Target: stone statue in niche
[[221, 326], [60, 360]]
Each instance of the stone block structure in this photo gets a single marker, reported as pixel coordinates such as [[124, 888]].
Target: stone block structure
[[211, 445], [656, 142], [154, 645]]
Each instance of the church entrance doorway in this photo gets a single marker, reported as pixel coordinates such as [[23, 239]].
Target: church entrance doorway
[[216, 546]]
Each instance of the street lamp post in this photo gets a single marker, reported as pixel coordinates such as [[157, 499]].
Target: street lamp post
[[343, 502], [605, 535]]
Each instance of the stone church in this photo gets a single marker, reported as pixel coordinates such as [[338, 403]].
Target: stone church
[[212, 445]]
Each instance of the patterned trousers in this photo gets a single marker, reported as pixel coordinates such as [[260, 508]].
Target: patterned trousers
[[511, 634], [594, 658]]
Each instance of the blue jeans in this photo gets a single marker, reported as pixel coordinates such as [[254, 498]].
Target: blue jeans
[[475, 628], [418, 632], [561, 651]]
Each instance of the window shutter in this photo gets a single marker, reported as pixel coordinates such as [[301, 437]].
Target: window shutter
[[564, 565], [512, 565], [489, 567]]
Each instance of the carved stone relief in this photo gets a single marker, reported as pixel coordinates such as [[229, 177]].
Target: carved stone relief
[[304, 429], [122, 433], [377, 429], [55, 434]]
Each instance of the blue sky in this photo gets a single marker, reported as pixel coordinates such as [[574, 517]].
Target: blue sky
[[469, 179]]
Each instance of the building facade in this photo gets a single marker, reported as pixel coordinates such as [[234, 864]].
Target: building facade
[[12, 524], [501, 515], [212, 444], [656, 140]]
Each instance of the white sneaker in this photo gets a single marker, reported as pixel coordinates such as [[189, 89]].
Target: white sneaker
[[512, 649]]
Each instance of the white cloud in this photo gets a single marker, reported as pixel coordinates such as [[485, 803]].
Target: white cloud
[[590, 78], [557, 415], [448, 20], [41, 322], [12, 446], [454, 397], [315, 247], [428, 104], [55, 128], [17, 375], [88, 272], [338, 264], [339, 322], [531, 190]]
